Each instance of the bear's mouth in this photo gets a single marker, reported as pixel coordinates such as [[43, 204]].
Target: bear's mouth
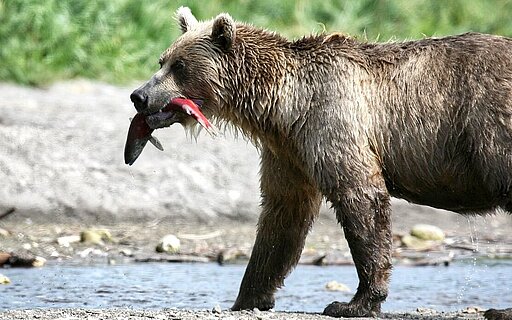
[[176, 110], [142, 126]]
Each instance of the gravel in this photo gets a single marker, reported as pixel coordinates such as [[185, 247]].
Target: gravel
[[134, 314]]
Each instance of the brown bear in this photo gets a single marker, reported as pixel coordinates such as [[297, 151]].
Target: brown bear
[[429, 121]]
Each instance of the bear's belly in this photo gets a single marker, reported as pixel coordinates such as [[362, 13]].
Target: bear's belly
[[459, 193]]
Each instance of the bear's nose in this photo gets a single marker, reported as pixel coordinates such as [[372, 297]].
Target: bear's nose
[[139, 99]]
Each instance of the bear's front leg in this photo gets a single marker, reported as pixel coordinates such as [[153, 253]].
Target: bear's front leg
[[364, 212], [290, 203]]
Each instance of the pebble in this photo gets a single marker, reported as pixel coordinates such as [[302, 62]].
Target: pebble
[[416, 243], [4, 279], [427, 232], [336, 286], [4, 258], [216, 309], [21, 260], [169, 244], [39, 262], [95, 236], [126, 252], [426, 311], [91, 252], [231, 255], [473, 310], [66, 241], [258, 314], [4, 233]]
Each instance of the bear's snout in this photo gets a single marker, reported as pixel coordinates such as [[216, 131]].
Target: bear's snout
[[139, 99]]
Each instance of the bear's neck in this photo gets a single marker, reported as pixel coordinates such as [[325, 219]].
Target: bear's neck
[[254, 76], [266, 78]]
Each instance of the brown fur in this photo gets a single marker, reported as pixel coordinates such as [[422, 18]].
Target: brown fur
[[354, 123]]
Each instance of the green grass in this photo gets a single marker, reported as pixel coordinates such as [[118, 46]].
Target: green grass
[[118, 41]]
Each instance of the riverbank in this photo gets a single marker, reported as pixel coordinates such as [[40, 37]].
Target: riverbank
[[62, 171], [227, 241], [130, 242]]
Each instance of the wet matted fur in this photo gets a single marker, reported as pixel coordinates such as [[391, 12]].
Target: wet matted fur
[[351, 122]]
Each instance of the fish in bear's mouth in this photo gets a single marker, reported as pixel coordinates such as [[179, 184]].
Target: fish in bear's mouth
[[142, 126]]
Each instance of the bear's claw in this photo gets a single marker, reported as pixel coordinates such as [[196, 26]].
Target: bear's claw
[[347, 310]]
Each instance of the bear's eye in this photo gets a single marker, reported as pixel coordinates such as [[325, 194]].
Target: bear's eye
[[178, 66], [179, 70]]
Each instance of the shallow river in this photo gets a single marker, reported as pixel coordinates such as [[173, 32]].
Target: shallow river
[[159, 285]]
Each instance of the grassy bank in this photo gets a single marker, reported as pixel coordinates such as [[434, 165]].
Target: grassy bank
[[120, 40]]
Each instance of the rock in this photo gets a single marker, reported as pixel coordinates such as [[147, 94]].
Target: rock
[[21, 260], [66, 241], [216, 309], [473, 310], [95, 236], [423, 237], [231, 255], [126, 252], [92, 252], [4, 258], [4, 279], [173, 259], [426, 311], [4, 233], [319, 261], [336, 286], [415, 243], [258, 314], [38, 262], [427, 232], [169, 244]]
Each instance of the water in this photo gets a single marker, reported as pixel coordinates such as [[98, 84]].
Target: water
[[468, 275], [160, 285]]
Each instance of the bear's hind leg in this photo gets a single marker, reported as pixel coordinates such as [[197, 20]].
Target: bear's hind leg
[[364, 213], [290, 204]]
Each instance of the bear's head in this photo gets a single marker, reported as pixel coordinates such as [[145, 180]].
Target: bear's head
[[190, 68]]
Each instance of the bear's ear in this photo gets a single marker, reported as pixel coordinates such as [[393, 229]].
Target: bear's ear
[[223, 31], [185, 18]]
